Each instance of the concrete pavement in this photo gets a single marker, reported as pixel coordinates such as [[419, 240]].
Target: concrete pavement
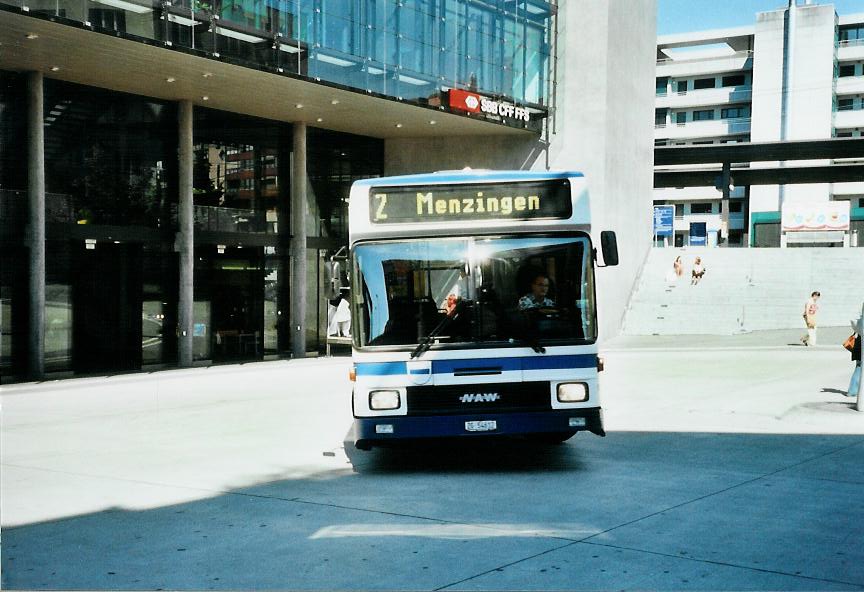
[[728, 465]]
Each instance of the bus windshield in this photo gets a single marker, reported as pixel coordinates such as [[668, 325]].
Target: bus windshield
[[461, 292]]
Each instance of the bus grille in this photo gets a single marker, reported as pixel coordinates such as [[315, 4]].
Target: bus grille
[[478, 398]]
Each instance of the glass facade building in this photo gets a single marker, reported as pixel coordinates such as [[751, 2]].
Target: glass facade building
[[112, 179], [408, 49], [112, 271]]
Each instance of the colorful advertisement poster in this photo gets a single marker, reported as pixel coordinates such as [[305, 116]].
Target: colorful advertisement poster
[[829, 215]]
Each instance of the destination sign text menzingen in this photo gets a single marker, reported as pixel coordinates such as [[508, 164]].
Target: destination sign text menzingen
[[529, 200]]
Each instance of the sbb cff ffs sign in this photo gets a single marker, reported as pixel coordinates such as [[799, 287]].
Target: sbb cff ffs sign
[[471, 102], [464, 100]]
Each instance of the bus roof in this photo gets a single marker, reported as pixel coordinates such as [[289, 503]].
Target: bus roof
[[467, 176]]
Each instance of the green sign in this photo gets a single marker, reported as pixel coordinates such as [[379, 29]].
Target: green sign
[[525, 200]]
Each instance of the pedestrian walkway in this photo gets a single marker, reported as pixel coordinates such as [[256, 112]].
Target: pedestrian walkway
[[725, 467], [829, 339]]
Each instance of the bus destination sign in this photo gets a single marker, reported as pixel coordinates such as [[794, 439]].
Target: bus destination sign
[[527, 200]]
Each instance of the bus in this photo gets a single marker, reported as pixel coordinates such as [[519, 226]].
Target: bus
[[473, 306]]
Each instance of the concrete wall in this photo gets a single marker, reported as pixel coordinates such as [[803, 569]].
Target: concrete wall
[[601, 124], [766, 121], [807, 54]]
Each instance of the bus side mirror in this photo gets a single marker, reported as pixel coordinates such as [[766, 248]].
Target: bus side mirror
[[609, 246], [333, 279]]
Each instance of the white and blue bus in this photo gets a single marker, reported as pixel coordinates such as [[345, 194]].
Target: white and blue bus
[[473, 306]]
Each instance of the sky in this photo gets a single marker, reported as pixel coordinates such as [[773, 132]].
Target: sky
[[681, 16]]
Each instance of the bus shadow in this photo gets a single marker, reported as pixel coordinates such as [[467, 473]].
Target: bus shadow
[[455, 455]]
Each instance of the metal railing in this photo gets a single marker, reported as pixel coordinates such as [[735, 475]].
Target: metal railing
[[851, 43], [731, 121], [682, 60], [219, 219]]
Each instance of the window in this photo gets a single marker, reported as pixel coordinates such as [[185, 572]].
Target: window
[[844, 135], [733, 112], [701, 83], [846, 70], [851, 33], [660, 116], [681, 118], [736, 237], [681, 86], [700, 208], [706, 115], [679, 210], [845, 104], [736, 207], [659, 142], [733, 80], [661, 86]]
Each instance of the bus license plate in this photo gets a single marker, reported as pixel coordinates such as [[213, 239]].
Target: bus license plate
[[487, 425]]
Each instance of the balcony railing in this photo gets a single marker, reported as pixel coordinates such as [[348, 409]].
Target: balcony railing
[[711, 96], [703, 58], [703, 129], [852, 43]]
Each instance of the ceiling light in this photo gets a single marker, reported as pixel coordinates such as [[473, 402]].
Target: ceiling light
[[299, 105], [170, 79], [334, 102], [320, 119], [432, 122], [207, 74], [205, 98], [55, 68], [398, 125], [32, 36]]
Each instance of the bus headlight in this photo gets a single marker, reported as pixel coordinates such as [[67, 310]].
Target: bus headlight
[[572, 392], [383, 400]]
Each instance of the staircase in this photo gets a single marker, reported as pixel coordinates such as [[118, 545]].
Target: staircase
[[745, 290]]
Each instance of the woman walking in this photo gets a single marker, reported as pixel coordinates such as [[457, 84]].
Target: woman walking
[[811, 307]]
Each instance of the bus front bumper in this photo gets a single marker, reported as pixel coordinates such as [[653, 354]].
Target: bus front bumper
[[369, 431]]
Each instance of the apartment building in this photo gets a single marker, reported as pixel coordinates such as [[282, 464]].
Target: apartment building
[[796, 74]]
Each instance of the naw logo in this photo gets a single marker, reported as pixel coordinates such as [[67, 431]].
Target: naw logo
[[479, 398]]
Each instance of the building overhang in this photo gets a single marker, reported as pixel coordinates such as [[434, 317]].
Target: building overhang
[[851, 19], [760, 151], [790, 175], [705, 37], [80, 55]]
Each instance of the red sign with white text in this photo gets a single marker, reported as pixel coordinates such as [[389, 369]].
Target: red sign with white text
[[464, 100]]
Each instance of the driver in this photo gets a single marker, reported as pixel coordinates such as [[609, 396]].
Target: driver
[[537, 298]]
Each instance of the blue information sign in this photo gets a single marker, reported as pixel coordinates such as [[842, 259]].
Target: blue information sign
[[664, 217]]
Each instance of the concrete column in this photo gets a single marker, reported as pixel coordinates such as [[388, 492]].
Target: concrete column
[[36, 225], [726, 181], [185, 236], [298, 243]]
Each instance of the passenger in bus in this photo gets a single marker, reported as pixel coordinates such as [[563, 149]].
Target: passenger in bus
[[538, 297], [450, 304]]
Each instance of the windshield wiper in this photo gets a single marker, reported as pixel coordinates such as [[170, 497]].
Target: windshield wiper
[[427, 340], [533, 343]]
